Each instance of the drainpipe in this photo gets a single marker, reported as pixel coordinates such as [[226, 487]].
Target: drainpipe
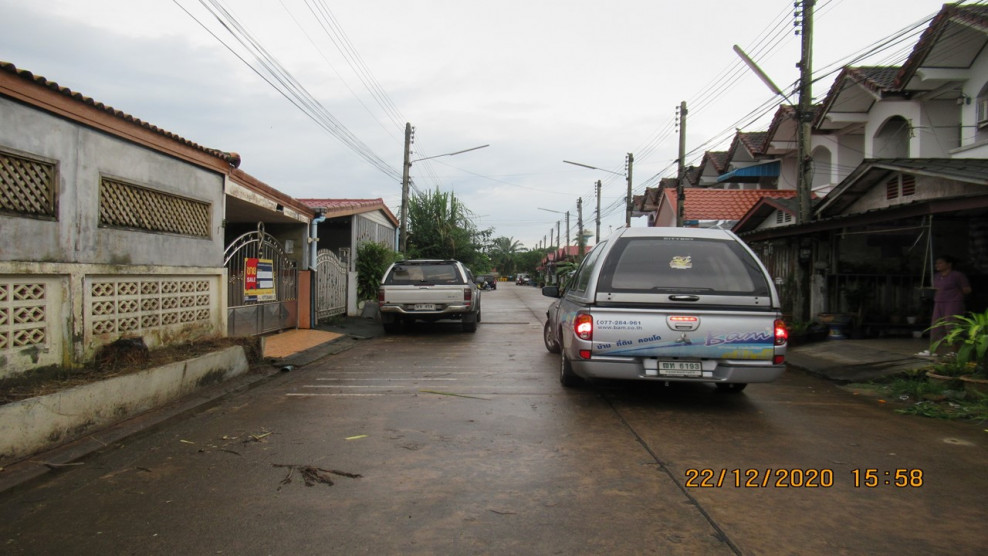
[[314, 238], [313, 254]]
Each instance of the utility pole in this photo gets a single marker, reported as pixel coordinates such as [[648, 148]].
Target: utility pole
[[579, 226], [550, 237], [597, 237], [559, 238], [403, 233], [804, 183], [567, 230], [804, 113], [681, 172], [627, 218]]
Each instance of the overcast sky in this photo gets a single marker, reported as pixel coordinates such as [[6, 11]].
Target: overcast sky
[[539, 81]]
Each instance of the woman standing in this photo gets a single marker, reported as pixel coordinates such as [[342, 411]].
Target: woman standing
[[951, 287]]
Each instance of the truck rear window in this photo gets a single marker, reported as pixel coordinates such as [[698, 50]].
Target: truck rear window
[[420, 274], [681, 265]]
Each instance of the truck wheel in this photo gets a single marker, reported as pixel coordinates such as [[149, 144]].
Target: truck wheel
[[550, 342], [391, 324], [470, 323], [731, 387], [566, 375]]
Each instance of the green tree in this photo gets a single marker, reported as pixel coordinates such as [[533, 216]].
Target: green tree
[[441, 227], [503, 252]]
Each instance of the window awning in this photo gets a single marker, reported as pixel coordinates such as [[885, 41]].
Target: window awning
[[752, 173]]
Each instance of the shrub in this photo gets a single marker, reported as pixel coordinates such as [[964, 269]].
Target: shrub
[[372, 260]]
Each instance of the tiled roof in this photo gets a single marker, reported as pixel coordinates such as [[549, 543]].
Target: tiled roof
[[693, 175], [722, 204], [342, 204], [231, 158], [754, 141], [876, 78], [717, 159], [972, 16], [347, 207]]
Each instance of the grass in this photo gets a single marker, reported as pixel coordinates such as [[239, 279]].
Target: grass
[[913, 393]]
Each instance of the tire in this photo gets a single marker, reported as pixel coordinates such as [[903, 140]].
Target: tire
[[551, 344], [566, 375], [731, 387], [470, 322], [391, 324]]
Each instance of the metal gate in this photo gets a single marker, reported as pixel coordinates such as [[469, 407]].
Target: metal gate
[[255, 261], [331, 283]]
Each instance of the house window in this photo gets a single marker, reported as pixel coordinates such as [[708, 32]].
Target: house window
[[27, 186], [782, 217], [123, 205]]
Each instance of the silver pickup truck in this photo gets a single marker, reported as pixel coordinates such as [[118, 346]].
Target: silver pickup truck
[[669, 305], [430, 290]]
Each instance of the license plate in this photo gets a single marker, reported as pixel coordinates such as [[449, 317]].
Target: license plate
[[425, 307], [680, 368]]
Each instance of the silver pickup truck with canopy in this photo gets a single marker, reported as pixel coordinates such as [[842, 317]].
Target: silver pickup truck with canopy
[[672, 305]]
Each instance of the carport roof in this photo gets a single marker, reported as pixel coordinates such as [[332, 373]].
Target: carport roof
[[872, 171], [347, 207]]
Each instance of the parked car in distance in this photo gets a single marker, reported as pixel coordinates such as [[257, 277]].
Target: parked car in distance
[[523, 280], [668, 305], [429, 290]]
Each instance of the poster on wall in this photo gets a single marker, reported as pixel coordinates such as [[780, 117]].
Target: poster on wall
[[259, 280]]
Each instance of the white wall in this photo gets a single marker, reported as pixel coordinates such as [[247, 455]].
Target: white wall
[[881, 112], [82, 156]]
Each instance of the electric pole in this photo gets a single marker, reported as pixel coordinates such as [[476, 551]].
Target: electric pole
[[403, 232], [804, 113], [579, 226], [681, 172], [559, 238], [627, 218], [567, 230], [597, 237]]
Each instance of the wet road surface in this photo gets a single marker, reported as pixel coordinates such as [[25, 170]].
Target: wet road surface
[[439, 441]]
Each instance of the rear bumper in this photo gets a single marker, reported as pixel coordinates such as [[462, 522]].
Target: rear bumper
[[448, 311], [714, 371]]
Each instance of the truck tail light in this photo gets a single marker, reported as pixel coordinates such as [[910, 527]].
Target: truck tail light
[[583, 326], [781, 333], [467, 295], [380, 295]]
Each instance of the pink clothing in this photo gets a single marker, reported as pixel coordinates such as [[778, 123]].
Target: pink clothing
[[948, 300]]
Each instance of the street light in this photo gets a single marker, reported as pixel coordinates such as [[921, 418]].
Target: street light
[[631, 161], [406, 168]]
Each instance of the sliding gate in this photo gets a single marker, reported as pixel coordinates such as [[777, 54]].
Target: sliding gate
[[262, 289]]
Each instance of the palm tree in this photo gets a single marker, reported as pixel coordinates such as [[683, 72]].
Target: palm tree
[[503, 252]]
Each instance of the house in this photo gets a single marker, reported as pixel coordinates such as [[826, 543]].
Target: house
[[341, 226], [111, 227], [710, 208], [900, 152]]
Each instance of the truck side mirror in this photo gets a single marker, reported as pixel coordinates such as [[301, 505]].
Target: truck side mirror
[[550, 291]]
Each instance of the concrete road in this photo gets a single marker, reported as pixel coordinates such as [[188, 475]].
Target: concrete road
[[439, 441]]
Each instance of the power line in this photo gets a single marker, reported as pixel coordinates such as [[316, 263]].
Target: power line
[[271, 70]]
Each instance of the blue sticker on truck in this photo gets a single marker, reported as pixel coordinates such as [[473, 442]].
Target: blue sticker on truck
[[737, 345]]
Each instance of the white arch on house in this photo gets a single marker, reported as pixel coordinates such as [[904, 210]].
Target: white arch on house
[[892, 138], [822, 167]]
